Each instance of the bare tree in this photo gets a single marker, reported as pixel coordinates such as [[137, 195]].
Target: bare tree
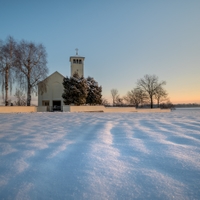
[[115, 95], [119, 101], [32, 69], [150, 85], [135, 97], [7, 61], [160, 95], [20, 98], [105, 102], [167, 105]]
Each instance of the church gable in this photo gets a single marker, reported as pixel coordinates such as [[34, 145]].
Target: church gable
[[54, 84], [55, 76], [54, 89]]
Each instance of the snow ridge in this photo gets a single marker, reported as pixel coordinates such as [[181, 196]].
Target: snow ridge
[[100, 155]]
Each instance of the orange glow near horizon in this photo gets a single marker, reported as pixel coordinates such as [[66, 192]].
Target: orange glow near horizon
[[184, 97], [180, 99], [184, 100]]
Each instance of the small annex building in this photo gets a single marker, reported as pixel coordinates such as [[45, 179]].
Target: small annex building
[[52, 97]]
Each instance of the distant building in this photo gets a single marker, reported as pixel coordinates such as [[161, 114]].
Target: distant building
[[54, 88]]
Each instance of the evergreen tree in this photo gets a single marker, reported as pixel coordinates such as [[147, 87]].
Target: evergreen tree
[[94, 96], [75, 90], [67, 92]]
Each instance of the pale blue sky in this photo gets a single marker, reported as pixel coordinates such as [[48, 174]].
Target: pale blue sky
[[121, 40]]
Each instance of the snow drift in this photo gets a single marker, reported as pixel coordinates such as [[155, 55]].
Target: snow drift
[[100, 155]]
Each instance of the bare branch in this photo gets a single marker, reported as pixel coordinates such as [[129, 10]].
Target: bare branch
[[114, 93], [31, 67], [150, 85], [7, 64]]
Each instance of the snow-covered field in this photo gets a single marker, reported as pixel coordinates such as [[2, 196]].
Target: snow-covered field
[[100, 155]]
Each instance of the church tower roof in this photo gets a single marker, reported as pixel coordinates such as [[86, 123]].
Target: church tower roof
[[76, 56]]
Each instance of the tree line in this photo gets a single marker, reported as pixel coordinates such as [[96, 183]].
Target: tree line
[[24, 64], [148, 89], [81, 91]]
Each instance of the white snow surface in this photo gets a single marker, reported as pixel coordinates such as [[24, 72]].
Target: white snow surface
[[100, 155]]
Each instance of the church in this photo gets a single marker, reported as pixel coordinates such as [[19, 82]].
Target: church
[[52, 97]]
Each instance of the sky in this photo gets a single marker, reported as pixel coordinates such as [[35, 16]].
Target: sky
[[120, 40]]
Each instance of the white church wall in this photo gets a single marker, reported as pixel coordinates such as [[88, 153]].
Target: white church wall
[[54, 90], [41, 108], [77, 64], [66, 108], [77, 68], [57, 90]]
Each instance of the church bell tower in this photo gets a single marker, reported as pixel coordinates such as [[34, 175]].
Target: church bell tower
[[77, 64]]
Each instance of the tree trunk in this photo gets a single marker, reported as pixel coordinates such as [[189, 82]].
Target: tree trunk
[[28, 92], [151, 98], [6, 86], [28, 96], [158, 103]]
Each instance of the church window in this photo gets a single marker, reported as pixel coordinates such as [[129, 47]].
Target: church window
[[45, 103], [77, 61]]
